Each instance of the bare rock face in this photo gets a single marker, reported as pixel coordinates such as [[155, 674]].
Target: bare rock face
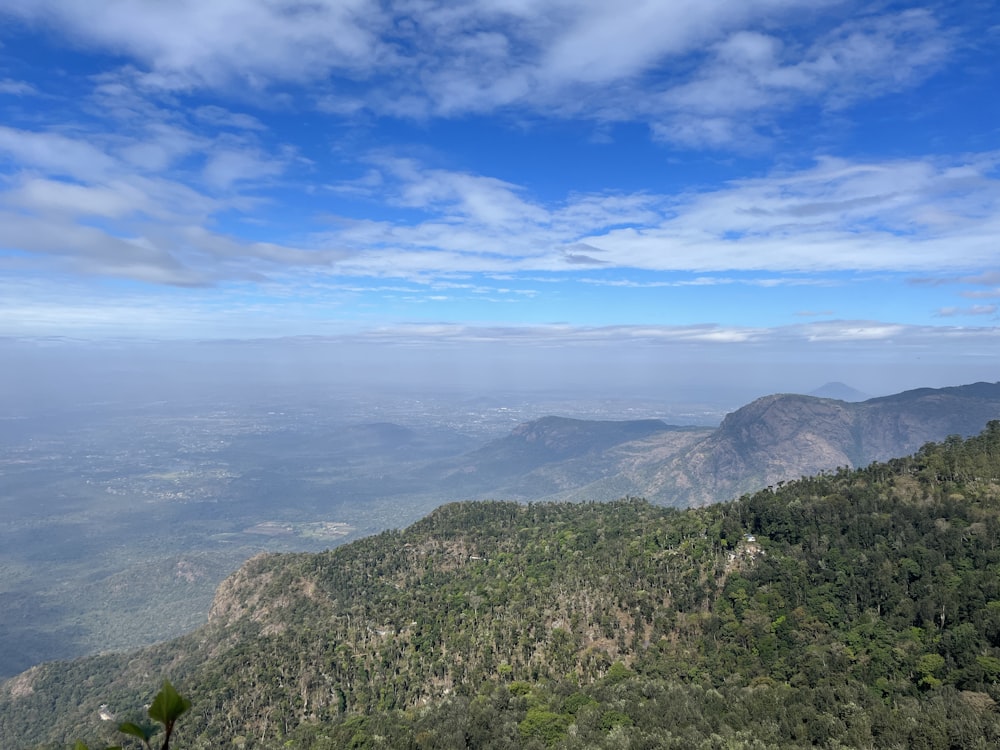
[[783, 437], [898, 425], [240, 593], [773, 439], [777, 435]]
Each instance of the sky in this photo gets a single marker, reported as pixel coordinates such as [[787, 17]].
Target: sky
[[809, 188]]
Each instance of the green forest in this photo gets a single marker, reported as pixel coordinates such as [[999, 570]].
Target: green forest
[[854, 609]]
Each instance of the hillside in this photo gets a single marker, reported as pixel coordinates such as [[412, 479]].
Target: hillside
[[554, 455], [852, 609]]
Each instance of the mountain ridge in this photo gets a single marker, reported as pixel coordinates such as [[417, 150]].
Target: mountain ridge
[[775, 438]]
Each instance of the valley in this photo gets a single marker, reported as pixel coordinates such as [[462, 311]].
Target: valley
[[119, 523], [118, 520]]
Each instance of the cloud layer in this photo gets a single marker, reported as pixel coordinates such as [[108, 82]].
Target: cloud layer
[[291, 149], [695, 70]]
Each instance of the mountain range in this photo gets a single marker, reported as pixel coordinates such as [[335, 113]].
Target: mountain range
[[773, 439]]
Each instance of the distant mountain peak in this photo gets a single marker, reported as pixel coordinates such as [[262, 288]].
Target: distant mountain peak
[[840, 391]]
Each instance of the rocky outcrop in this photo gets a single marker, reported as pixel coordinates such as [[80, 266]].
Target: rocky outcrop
[[783, 437]]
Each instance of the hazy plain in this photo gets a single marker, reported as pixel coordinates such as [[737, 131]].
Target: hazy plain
[[134, 476]]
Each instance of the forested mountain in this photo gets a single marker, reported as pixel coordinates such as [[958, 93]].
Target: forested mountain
[[851, 609]]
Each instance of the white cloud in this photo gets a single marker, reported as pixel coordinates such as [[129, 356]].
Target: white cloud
[[836, 216], [189, 43], [157, 253], [673, 64], [161, 183], [982, 294], [709, 281], [985, 278], [708, 132], [607, 42], [160, 146], [161, 176], [753, 75], [91, 251], [823, 337], [873, 55], [851, 331], [839, 215], [47, 196], [135, 196], [465, 197], [158, 176]]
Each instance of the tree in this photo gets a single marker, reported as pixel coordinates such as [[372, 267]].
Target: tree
[[166, 708]]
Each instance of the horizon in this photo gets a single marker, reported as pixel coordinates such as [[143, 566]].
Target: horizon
[[637, 378]]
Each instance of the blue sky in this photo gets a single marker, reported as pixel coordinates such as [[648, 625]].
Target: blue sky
[[773, 173]]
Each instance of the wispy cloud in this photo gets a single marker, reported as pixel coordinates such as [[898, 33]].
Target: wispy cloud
[[917, 215], [986, 278], [837, 215], [186, 44], [16, 88], [704, 281], [982, 294], [220, 117], [54, 153], [750, 75], [225, 167], [901, 215], [160, 176], [698, 67], [951, 312], [137, 196], [860, 333]]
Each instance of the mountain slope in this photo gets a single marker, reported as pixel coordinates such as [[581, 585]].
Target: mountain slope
[[855, 609], [782, 437], [551, 455]]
